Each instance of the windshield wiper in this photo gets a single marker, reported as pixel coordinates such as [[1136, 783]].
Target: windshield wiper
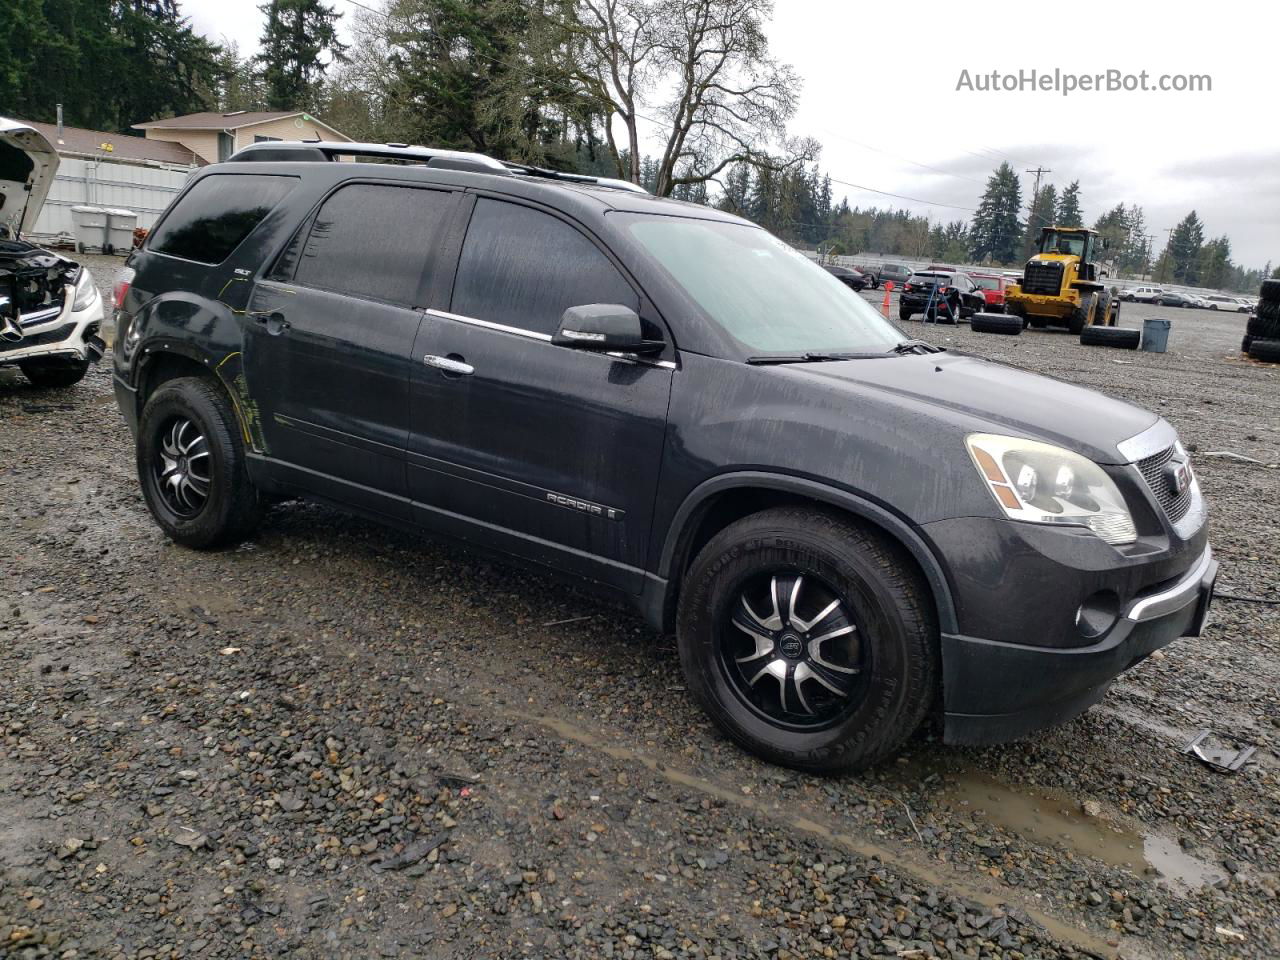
[[811, 357], [915, 346]]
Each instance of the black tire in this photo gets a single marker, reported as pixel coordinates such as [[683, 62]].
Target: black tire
[[1102, 311], [1244, 344], [1080, 317], [1268, 310], [229, 508], [1114, 319], [1099, 336], [1268, 351], [888, 606], [996, 323], [904, 314], [52, 372], [1130, 297], [1270, 292], [1261, 328]]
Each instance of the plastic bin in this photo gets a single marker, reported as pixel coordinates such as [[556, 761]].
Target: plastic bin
[[90, 228], [120, 224], [1155, 334]]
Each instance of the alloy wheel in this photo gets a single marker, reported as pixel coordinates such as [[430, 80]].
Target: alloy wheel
[[183, 467], [792, 650]]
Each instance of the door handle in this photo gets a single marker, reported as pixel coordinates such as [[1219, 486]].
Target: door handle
[[454, 365]]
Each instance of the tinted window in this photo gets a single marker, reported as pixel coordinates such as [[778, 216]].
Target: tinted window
[[759, 290], [372, 240], [524, 268], [211, 218]]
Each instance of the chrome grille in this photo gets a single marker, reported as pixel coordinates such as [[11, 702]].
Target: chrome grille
[[1174, 505]]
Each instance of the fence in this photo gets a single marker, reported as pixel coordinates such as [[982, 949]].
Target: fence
[[145, 189]]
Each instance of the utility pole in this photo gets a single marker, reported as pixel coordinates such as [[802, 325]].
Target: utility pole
[[1146, 253], [1035, 191]]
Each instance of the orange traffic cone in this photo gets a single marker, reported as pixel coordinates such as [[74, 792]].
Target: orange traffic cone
[[888, 289]]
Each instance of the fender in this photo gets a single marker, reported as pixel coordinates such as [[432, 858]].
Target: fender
[[208, 332], [660, 592]]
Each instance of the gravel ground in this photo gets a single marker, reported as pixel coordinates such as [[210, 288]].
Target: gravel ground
[[342, 741]]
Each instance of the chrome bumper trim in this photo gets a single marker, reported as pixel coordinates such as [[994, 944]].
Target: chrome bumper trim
[[1174, 598]]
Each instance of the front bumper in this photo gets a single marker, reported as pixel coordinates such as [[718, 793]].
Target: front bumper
[[73, 334], [997, 691], [1042, 305]]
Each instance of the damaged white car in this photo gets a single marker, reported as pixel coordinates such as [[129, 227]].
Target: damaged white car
[[50, 309]]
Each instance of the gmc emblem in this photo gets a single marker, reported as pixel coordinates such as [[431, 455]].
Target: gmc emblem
[[1179, 474]]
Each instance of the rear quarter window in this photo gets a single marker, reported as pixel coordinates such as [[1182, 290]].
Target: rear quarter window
[[216, 214]]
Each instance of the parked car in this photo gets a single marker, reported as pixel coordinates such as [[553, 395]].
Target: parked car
[[1177, 298], [992, 286], [845, 529], [899, 273], [853, 279], [1143, 294], [942, 296], [871, 273], [50, 308], [1216, 301]]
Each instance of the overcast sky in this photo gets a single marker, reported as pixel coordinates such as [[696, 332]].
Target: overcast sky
[[880, 94]]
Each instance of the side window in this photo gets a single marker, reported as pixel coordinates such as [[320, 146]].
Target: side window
[[219, 211], [524, 268], [372, 240]]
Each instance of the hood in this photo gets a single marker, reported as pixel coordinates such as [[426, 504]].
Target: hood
[[995, 398], [27, 164]]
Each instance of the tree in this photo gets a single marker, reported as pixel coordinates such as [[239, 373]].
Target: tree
[[298, 33], [60, 51], [1184, 249], [725, 100], [996, 229], [1068, 213], [1214, 264]]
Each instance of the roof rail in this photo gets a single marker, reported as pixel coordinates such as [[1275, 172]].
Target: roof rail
[[575, 177], [289, 150], [322, 150]]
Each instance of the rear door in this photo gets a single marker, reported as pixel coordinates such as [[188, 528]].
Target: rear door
[[545, 451], [330, 335]]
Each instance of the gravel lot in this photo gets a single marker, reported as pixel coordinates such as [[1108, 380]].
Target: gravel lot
[[342, 741]]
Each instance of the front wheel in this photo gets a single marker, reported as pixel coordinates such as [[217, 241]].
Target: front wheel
[[191, 464], [809, 639]]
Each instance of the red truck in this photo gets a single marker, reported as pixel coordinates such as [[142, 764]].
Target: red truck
[[992, 287]]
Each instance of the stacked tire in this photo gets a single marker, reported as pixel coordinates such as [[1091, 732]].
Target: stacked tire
[[1099, 336], [1262, 337]]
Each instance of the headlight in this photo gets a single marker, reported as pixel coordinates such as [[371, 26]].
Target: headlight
[[86, 291], [1042, 483]]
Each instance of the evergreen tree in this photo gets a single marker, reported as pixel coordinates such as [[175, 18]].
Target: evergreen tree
[[737, 189], [1043, 208], [1184, 249], [1068, 213], [297, 34], [996, 228], [1214, 266]]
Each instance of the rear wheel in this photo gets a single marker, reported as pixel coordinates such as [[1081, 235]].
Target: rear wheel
[[904, 314], [54, 371], [191, 464], [809, 639]]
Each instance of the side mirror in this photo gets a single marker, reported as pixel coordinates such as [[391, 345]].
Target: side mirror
[[604, 327]]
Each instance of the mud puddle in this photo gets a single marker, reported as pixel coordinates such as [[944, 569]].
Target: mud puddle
[[1045, 816]]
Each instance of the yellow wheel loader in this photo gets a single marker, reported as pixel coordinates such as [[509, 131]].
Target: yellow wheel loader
[[1061, 285]]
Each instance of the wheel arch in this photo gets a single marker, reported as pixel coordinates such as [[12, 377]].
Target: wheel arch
[[717, 502]]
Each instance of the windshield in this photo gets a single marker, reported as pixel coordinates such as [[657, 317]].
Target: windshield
[[759, 290], [1069, 244], [986, 283]]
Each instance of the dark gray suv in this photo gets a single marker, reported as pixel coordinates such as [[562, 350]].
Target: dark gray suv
[[848, 530]]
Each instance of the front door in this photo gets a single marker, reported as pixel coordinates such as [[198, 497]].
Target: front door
[[329, 337], [545, 451]]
